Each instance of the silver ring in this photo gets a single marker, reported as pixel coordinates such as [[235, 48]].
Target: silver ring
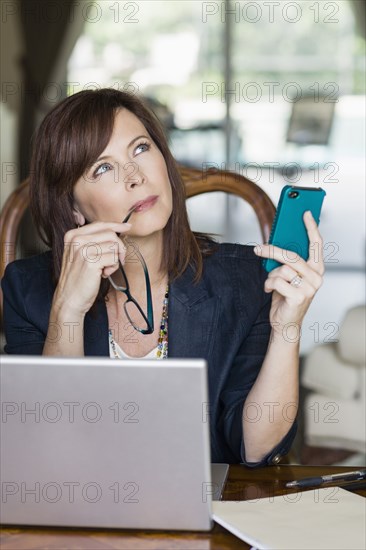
[[296, 281]]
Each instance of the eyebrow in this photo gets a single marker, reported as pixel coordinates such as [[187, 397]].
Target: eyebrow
[[135, 139], [128, 146]]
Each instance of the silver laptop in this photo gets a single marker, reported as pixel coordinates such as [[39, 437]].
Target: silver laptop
[[91, 442]]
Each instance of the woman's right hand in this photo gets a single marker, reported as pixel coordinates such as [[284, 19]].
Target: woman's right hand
[[91, 252]]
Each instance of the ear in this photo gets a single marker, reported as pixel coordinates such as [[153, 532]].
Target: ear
[[78, 216]]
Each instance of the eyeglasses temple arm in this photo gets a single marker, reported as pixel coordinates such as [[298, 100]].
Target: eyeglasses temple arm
[[128, 215], [150, 314]]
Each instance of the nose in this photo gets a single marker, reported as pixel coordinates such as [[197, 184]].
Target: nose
[[132, 176]]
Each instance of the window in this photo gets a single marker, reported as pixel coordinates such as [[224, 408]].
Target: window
[[223, 77]]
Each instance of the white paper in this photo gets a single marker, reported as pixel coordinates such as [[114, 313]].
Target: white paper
[[322, 519]]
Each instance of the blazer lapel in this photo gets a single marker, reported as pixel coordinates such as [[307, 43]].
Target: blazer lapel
[[96, 332], [192, 317], [192, 321]]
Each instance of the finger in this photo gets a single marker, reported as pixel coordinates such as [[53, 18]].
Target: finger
[[108, 271], [316, 260], [287, 273], [284, 271], [281, 255], [282, 287], [81, 242], [292, 261], [117, 248], [115, 245], [98, 227], [103, 254], [309, 285]]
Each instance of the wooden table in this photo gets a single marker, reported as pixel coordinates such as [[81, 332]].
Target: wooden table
[[242, 484]]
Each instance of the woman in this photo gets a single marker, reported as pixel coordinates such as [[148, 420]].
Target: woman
[[98, 156]]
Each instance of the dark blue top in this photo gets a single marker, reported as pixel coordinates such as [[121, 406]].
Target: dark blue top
[[223, 319]]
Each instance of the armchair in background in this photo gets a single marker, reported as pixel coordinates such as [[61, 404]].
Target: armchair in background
[[335, 410]]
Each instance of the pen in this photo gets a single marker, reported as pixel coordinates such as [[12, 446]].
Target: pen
[[316, 481], [354, 486]]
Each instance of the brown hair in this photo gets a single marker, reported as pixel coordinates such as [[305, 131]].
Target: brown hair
[[70, 139]]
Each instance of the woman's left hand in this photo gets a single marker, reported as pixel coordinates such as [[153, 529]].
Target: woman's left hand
[[295, 283]]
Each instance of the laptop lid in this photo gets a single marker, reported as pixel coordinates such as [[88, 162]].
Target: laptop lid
[[98, 443]]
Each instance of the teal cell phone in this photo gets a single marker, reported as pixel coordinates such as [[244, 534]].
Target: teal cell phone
[[288, 228]]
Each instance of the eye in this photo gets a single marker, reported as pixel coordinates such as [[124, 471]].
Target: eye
[[102, 168], [142, 147]]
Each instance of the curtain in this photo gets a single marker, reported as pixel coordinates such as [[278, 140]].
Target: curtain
[[359, 9], [44, 24]]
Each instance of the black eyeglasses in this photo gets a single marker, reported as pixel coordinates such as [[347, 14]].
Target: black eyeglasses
[[136, 316]]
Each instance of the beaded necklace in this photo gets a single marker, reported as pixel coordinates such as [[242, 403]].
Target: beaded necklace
[[162, 348], [162, 352]]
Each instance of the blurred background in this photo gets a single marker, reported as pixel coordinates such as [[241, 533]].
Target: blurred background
[[272, 90]]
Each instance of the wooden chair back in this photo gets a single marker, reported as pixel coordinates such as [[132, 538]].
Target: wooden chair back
[[196, 182]]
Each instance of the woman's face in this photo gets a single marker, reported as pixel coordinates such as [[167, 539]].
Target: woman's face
[[130, 170]]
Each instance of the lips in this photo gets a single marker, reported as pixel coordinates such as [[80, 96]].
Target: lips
[[145, 204]]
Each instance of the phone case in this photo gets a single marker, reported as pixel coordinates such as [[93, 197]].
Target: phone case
[[288, 228]]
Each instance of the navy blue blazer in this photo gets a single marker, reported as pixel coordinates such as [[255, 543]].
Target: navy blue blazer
[[223, 319]]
